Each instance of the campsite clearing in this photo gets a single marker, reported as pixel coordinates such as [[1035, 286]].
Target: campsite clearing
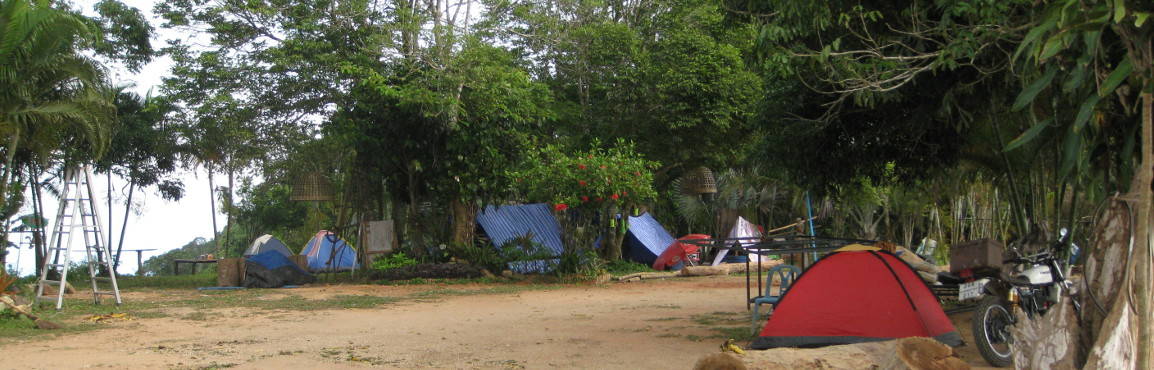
[[640, 325]]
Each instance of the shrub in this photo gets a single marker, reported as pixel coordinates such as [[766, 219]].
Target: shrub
[[620, 267], [519, 249], [585, 263], [393, 261]]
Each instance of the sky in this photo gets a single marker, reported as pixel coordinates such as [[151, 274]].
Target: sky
[[157, 223]]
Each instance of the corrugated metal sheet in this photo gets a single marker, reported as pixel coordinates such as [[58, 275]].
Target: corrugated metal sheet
[[504, 223], [647, 239]]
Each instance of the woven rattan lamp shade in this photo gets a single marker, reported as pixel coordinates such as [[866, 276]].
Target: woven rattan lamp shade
[[698, 181], [312, 186]]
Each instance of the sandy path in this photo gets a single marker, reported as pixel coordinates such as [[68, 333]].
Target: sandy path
[[644, 325], [573, 327]]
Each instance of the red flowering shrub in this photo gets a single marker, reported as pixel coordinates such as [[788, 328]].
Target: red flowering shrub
[[594, 178]]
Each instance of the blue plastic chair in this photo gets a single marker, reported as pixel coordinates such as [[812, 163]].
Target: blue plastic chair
[[786, 275]]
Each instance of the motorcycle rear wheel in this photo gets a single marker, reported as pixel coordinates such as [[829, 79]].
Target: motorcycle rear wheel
[[991, 328]]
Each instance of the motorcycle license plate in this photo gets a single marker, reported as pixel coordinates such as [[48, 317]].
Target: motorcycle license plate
[[971, 289]]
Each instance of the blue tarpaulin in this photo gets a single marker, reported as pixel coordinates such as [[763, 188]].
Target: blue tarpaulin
[[271, 269], [505, 223], [646, 239]]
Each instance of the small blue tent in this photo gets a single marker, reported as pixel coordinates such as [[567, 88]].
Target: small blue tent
[[646, 239], [327, 252], [505, 223]]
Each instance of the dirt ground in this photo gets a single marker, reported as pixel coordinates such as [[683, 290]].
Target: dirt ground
[[656, 324]]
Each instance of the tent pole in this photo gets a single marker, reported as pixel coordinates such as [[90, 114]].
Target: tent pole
[[747, 295], [809, 215]]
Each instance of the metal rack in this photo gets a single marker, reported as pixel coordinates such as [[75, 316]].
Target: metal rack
[[775, 245]]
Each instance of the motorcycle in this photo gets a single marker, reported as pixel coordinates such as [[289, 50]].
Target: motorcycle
[[1033, 285]]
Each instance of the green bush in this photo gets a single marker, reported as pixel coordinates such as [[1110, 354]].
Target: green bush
[[393, 261], [626, 267], [519, 249], [584, 263]]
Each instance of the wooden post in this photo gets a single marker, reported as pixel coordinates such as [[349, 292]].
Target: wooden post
[[139, 263]]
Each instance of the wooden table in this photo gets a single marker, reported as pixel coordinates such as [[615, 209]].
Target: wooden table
[[176, 265]]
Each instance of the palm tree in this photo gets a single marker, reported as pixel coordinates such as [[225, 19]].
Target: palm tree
[[51, 96]]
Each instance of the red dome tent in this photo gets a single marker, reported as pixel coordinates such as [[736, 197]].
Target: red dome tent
[[854, 297]]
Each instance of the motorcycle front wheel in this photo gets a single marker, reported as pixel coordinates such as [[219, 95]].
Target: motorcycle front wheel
[[991, 325]]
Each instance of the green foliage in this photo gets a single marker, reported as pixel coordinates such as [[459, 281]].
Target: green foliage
[[126, 32], [480, 255], [144, 149], [582, 263], [519, 249], [587, 179], [622, 267], [393, 261], [51, 95], [669, 76]]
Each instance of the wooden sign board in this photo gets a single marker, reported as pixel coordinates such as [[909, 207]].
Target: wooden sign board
[[380, 237]]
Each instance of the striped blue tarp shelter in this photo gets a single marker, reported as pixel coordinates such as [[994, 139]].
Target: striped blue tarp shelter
[[505, 223]]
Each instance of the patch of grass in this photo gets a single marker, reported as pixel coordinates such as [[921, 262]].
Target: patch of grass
[[505, 289], [195, 316], [421, 281], [252, 299], [622, 267], [669, 335], [149, 314], [720, 318], [695, 338], [165, 282], [737, 333], [663, 319]]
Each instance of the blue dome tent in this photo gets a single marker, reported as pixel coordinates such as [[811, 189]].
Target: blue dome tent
[[327, 253]]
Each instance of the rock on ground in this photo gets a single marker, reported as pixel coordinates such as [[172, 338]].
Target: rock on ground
[[906, 353]]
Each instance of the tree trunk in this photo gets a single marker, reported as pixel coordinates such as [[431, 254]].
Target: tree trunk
[[228, 208], [124, 225], [8, 161], [614, 235], [416, 232], [1123, 342], [399, 221], [212, 203], [116, 259], [1047, 342], [38, 237], [464, 216]]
